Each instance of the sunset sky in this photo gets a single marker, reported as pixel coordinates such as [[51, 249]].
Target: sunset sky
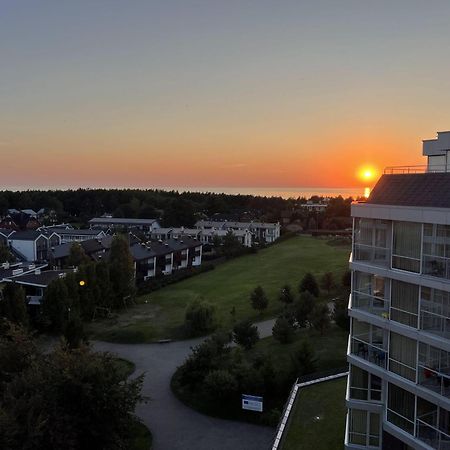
[[218, 93]]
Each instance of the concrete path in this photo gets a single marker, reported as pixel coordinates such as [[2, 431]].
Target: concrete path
[[174, 425]]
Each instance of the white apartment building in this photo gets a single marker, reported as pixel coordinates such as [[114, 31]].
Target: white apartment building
[[398, 392]]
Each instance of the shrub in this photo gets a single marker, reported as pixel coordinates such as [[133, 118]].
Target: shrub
[[220, 384], [320, 317], [286, 295], [303, 307], [259, 299], [283, 331], [309, 284], [304, 359], [199, 318], [245, 334]]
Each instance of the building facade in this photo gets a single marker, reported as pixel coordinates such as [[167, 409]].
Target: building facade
[[398, 392]]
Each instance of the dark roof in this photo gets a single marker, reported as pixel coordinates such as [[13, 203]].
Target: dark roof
[[42, 279], [121, 221], [28, 235], [421, 189], [6, 231], [10, 271]]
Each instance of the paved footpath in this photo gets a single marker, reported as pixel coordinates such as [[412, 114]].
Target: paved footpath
[[174, 425]]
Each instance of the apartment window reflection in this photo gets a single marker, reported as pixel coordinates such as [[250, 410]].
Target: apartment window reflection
[[406, 248]]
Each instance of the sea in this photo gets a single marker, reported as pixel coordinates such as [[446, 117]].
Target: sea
[[284, 192]]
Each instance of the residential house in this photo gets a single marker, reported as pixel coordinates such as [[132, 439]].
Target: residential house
[[262, 231], [111, 223], [32, 245], [35, 282]]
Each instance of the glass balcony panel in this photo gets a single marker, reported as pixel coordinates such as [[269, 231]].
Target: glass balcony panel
[[374, 353]]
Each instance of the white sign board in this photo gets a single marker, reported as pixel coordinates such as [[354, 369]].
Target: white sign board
[[252, 402]]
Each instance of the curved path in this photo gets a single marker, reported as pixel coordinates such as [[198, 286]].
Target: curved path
[[174, 425]]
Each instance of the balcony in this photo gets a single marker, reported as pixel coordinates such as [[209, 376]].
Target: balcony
[[374, 352], [373, 304], [377, 256], [432, 436]]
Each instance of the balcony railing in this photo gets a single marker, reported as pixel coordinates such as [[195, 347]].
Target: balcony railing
[[373, 353], [436, 381], [370, 303], [432, 436], [378, 256], [423, 168]]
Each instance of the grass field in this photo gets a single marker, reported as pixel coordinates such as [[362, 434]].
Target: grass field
[[318, 420], [161, 313]]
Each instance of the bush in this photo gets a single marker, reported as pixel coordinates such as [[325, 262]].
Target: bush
[[303, 308], [304, 359], [286, 295], [199, 318], [320, 317], [283, 331], [220, 384], [259, 299], [245, 334], [309, 284]]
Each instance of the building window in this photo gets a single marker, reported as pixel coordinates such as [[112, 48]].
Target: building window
[[368, 342], [400, 408], [403, 356], [369, 293], [436, 250], [370, 243], [406, 248], [404, 303], [364, 385], [434, 369], [435, 311], [364, 428]]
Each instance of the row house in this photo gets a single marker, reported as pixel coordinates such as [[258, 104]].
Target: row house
[[69, 234], [244, 237], [32, 245], [262, 231], [151, 258], [20, 221], [35, 281], [164, 257], [115, 223]]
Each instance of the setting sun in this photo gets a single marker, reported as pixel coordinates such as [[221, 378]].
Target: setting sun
[[367, 173]]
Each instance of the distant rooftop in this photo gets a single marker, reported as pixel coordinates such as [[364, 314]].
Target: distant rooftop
[[121, 221], [418, 189]]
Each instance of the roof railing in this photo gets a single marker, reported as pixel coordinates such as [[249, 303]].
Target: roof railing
[[391, 170]]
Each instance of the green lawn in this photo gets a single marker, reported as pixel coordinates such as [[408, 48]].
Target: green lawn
[[160, 314], [318, 420], [330, 349]]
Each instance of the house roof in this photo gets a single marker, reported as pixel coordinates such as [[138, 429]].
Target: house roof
[[6, 231], [225, 224], [121, 221], [75, 232], [421, 189], [42, 279], [27, 235], [10, 270]]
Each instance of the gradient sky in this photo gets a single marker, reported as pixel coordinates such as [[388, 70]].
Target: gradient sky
[[218, 93]]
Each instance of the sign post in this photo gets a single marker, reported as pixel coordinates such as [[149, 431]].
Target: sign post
[[252, 403]]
